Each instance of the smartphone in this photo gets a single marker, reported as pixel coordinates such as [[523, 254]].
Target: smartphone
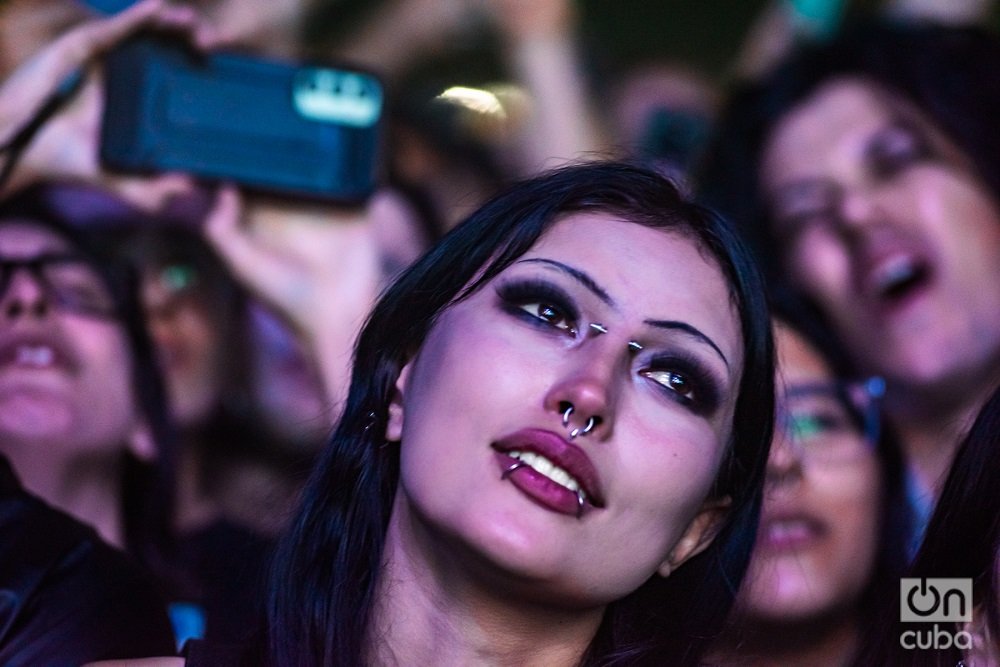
[[108, 6], [284, 128]]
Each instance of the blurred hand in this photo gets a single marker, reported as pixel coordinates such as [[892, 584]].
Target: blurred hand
[[34, 82], [524, 19], [316, 267], [308, 263]]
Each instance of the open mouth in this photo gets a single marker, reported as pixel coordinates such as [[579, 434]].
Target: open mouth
[[34, 354], [899, 277], [550, 470], [547, 468]]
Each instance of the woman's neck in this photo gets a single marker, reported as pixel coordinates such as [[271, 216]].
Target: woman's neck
[[930, 437], [89, 489], [432, 610], [194, 508], [819, 643]]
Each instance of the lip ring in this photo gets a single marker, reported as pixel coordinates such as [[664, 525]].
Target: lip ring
[[511, 468], [560, 450]]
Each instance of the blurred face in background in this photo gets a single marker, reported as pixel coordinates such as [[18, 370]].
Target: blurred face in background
[[65, 365], [819, 531], [887, 226], [187, 338]]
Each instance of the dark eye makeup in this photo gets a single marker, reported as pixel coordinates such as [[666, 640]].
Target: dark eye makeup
[[540, 303], [678, 374], [685, 379]]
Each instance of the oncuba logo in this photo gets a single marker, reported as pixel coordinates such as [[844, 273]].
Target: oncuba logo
[[935, 601]]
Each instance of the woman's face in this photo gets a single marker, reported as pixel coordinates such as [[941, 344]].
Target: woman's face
[[187, 341], [886, 225], [492, 385], [65, 372], [819, 527]]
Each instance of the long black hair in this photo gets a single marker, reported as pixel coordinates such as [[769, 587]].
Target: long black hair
[[948, 73], [147, 490], [327, 567], [962, 541]]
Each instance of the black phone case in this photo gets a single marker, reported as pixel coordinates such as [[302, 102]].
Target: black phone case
[[290, 129]]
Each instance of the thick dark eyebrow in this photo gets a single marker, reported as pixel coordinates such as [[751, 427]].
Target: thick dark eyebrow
[[579, 276], [592, 285], [674, 325]]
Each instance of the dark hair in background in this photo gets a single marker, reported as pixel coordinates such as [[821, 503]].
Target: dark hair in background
[[326, 572], [147, 506], [962, 541], [948, 73]]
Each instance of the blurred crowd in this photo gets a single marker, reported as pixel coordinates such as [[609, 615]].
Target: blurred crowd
[[174, 351]]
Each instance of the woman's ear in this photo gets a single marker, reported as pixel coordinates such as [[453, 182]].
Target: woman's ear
[[394, 424], [141, 443], [699, 534]]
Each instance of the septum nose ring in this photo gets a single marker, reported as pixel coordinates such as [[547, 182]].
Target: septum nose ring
[[588, 427]]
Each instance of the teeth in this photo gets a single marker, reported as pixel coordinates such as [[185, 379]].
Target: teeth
[[35, 355], [895, 273], [544, 466]]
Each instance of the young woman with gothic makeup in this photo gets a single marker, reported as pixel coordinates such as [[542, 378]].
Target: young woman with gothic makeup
[[553, 447]]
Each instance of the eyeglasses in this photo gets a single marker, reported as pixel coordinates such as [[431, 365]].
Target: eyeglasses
[[832, 421], [68, 281]]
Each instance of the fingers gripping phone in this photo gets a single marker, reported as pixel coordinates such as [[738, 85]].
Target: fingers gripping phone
[[284, 128]]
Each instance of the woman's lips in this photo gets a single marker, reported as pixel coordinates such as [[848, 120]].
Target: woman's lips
[[550, 470], [39, 350], [788, 532], [892, 270]]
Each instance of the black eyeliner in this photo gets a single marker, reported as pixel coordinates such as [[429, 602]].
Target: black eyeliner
[[515, 293], [707, 396]]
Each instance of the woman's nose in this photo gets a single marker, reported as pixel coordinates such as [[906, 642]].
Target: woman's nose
[[583, 396], [860, 208], [24, 296], [784, 463]]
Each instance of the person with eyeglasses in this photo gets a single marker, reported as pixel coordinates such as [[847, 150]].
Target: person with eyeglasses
[[830, 542], [81, 420]]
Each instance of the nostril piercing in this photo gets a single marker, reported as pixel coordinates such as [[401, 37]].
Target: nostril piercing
[[591, 423], [566, 413], [599, 328]]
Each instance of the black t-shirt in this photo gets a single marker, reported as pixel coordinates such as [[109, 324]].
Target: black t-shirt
[[66, 597]]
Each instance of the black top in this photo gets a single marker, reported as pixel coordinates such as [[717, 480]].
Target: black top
[[200, 653], [66, 597], [221, 571]]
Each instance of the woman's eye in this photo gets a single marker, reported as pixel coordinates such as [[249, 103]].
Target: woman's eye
[[896, 149], [805, 426], [673, 381], [793, 217], [794, 225], [550, 315]]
